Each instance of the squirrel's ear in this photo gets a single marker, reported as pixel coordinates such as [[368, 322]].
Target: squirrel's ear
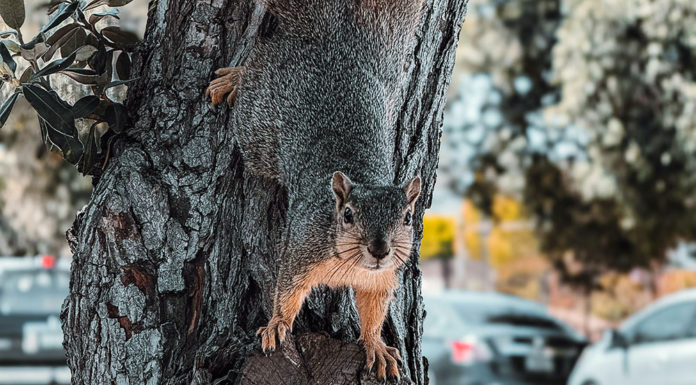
[[341, 186], [412, 190]]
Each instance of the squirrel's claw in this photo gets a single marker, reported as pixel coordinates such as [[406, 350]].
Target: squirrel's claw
[[227, 83], [385, 357], [275, 328]]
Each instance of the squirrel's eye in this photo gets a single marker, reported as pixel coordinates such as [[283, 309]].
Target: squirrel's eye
[[348, 215], [407, 218]]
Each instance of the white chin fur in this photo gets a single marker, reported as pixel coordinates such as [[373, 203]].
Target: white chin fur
[[375, 265]]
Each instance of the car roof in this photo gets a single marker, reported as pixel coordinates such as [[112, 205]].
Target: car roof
[[469, 297], [493, 304], [686, 295]]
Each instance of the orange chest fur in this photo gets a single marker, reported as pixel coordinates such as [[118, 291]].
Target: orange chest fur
[[336, 272]]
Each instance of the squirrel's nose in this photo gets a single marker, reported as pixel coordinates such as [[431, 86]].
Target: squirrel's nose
[[379, 248]]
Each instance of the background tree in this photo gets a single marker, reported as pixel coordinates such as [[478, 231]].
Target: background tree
[[587, 114], [174, 255]]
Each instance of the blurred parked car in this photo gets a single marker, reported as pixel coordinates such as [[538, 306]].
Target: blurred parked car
[[656, 346], [473, 338], [32, 291]]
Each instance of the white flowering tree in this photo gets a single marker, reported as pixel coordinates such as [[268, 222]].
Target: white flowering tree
[[594, 123]]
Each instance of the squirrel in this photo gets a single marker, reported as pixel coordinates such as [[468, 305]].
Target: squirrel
[[315, 110]]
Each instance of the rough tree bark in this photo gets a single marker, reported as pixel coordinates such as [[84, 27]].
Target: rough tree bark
[[173, 257]]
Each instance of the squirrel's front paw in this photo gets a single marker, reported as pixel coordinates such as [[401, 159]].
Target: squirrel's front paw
[[386, 358], [275, 327], [227, 83]]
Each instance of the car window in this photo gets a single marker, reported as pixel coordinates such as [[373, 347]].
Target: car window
[[506, 315], [440, 319], [444, 314], [528, 320], [33, 292], [670, 323]]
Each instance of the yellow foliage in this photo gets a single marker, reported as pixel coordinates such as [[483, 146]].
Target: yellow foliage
[[506, 209], [470, 213], [621, 297], [500, 250], [438, 236], [506, 246], [503, 246], [522, 277], [472, 241]]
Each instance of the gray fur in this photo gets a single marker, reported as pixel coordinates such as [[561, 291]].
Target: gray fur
[[318, 97]]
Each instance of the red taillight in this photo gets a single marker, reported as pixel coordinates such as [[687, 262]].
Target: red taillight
[[48, 262], [469, 350], [462, 352]]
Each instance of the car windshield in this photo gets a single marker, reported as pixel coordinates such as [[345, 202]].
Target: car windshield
[[488, 312], [33, 291], [529, 320]]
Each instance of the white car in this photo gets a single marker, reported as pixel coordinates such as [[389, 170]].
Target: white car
[[656, 346]]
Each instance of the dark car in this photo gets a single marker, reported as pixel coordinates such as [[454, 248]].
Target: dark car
[[32, 291], [473, 338]]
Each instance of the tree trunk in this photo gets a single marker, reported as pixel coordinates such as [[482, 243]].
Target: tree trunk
[[174, 259]]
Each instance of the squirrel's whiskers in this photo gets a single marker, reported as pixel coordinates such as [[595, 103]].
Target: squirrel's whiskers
[[339, 266]]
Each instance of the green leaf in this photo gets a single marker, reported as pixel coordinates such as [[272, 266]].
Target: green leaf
[[34, 53], [118, 3], [26, 75], [85, 76], [51, 108], [95, 4], [95, 17], [59, 38], [90, 150], [92, 40], [98, 59], [62, 31], [12, 11], [63, 12], [70, 146], [119, 82], [117, 116], [123, 66], [84, 53], [119, 36], [74, 42], [81, 71], [7, 108], [11, 45], [7, 57], [85, 106], [56, 66], [56, 121]]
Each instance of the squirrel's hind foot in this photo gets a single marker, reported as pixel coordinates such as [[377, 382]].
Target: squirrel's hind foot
[[385, 357], [227, 83], [275, 328]]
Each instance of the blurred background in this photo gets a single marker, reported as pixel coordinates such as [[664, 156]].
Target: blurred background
[[564, 214]]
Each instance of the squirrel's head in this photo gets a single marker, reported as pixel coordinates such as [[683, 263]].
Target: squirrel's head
[[374, 222]]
